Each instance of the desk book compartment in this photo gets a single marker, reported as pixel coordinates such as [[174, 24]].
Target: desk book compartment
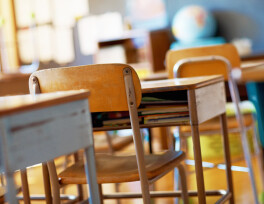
[[155, 108]]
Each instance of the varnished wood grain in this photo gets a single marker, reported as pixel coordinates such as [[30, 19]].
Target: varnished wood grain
[[250, 72], [13, 104], [116, 169], [105, 81], [6, 77], [2, 194], [179, 84], [156, 76], [204, 68], [13, 84]]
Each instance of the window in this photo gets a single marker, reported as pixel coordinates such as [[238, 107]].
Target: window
[[44, 29], [8, 49]]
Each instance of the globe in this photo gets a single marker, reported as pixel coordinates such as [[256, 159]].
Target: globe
[[193, 22]]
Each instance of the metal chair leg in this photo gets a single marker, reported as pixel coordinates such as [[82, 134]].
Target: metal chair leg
[[100, 187], [25, 188], [183, 184], [227, 156], [235, 97], [46, 181], [259, 153]]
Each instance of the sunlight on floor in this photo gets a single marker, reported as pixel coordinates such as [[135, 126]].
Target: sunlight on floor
[[214, 179]]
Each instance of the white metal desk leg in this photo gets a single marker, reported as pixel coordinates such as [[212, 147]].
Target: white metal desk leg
[[11, 189], [90, 168], [25, 188]]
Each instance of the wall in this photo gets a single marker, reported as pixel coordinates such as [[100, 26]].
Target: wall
[[102, 6], [236, 18]]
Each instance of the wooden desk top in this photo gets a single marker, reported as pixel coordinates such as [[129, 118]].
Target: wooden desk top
[[12, 104], [179, 84], [156, 76], [250, 71], [126, 35], [12, 76], [253, 71], [13, 84]]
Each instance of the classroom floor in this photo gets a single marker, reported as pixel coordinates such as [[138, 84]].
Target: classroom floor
[[214, 179]]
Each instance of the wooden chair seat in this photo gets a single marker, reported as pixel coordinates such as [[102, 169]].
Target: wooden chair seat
[[118, 169], [213, 125], [118, 142]]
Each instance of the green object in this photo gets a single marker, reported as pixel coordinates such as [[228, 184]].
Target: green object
[[246, 107], [2, 21], [190, 201], [33, 15], [261, 198], [212, 146]]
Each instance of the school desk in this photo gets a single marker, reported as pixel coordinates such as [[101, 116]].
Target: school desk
[[36, 129], [205, 97]]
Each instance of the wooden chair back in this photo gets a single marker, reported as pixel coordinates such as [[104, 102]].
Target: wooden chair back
[[113, 87], [105, 82], [202, 68]]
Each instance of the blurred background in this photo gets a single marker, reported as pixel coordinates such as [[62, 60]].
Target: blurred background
[[37, 34]]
